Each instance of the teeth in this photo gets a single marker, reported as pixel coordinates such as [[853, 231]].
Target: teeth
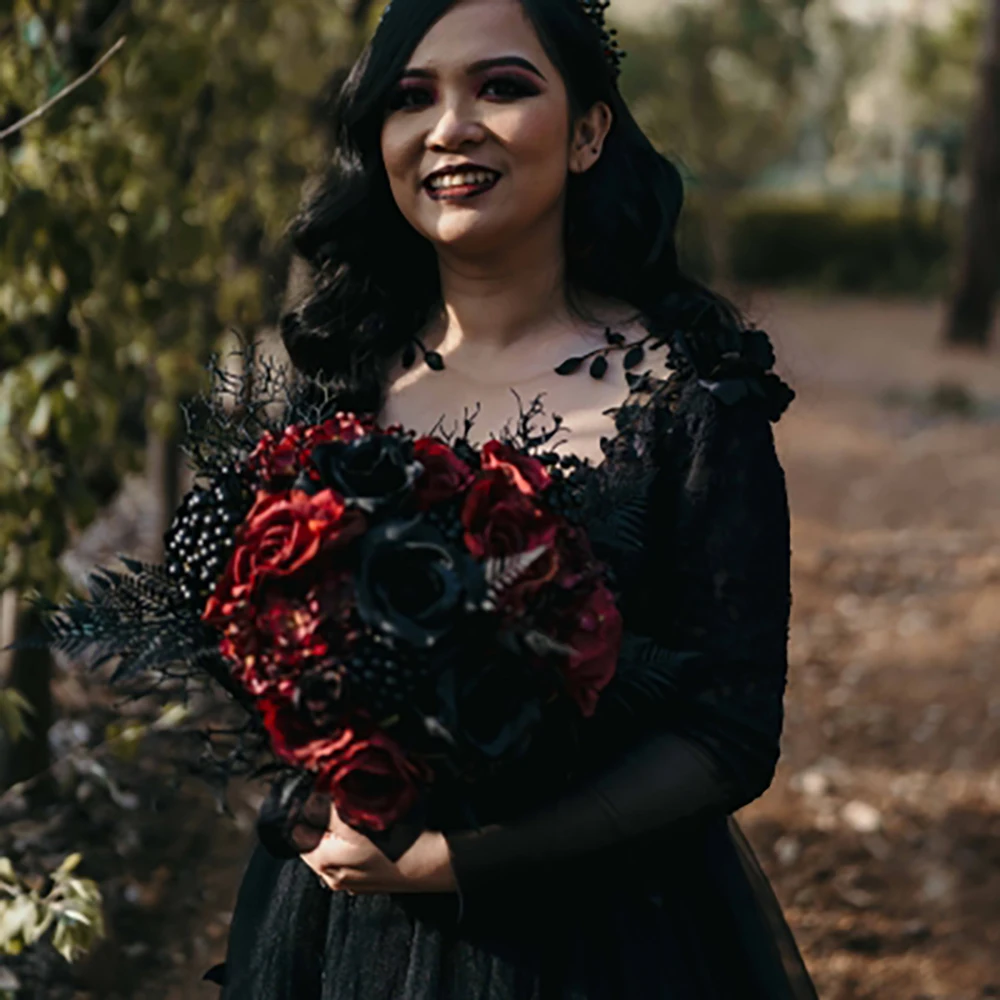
[[460, 180]]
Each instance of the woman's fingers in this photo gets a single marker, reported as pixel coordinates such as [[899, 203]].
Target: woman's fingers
[[349, 880]]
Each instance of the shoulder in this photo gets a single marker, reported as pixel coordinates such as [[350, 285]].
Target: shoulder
[[709, 372], [732, 366], [716, 395]]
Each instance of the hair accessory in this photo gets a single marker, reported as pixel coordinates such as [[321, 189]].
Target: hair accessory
[[594, 9]]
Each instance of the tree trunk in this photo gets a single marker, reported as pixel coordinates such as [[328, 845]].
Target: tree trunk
[[719, 237], [358, 12], [163, 467], [30, 673], [973, 303]]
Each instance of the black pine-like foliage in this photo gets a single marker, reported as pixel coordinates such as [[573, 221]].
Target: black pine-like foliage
[[138, 618]]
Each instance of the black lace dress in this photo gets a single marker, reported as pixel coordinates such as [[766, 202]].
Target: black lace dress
[[636, 883]]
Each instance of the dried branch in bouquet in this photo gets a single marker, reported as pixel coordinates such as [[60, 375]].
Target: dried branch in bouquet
[[525, 437], [224, 423]]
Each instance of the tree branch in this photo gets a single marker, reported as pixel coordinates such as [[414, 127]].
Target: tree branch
[[65, 92]]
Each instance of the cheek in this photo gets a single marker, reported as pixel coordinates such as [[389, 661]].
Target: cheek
[[537, 141], [398, 144]]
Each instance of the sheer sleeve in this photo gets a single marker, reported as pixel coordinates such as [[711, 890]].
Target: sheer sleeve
[[716, 611]]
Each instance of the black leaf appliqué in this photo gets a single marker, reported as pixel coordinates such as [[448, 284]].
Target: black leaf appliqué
[[569, 366], [635, 356], [599, 366]]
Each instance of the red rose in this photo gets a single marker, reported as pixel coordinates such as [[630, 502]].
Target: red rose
[[499, 520], [371, 780], [283, 457], [526, 473], [444, 475], [282, 534], [295, 740], [340, 427], [595, 635], [277, 457], [271, 642]]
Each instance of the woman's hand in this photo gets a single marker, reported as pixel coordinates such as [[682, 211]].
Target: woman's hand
[[347, 860]]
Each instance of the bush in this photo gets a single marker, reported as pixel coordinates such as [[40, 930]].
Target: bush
[[858, 247]]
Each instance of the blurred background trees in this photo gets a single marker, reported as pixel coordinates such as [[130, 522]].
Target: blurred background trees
[[823, 139], [139, 219], [721, 88]]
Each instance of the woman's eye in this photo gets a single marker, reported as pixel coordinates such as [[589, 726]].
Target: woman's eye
[[508, 88], [410, 97]]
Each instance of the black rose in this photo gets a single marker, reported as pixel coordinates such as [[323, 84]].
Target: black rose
[[412, 585], [371, 472], [492, 708]]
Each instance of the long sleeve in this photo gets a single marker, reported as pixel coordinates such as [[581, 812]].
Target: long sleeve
[[717, 604]]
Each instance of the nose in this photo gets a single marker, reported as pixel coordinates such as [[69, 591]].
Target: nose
[[456, 128]]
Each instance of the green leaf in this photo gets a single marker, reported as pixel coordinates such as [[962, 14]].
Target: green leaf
[[69, 864], [38, 426], [42, 366], [13, 709]]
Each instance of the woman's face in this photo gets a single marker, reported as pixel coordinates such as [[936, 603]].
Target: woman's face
[[478, 140]]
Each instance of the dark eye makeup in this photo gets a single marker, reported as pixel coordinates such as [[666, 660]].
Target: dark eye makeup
[[415, 89], [509, 86], [410, 94]]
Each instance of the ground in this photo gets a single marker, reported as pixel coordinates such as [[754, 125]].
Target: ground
[[881, 831]]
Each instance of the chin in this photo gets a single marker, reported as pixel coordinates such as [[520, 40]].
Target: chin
[[466, 234]]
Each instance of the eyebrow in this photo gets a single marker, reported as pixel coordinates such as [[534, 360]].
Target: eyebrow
[[482, 65]]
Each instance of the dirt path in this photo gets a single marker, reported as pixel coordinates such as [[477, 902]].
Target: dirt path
[[882, 832]]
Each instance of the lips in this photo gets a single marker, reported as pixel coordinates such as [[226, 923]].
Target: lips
[[460, 182]]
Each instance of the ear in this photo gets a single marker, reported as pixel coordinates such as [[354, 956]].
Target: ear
[[589, 134]]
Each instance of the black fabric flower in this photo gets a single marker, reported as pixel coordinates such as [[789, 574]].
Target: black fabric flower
[[733, 365], [413, 585], [491, 708], [373, 472]]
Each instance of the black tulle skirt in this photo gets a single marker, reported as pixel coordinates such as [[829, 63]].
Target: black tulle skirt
[[706, 927]]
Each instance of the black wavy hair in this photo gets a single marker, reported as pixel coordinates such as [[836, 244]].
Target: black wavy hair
[[374, 280]]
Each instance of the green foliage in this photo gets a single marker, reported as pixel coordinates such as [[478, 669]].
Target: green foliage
[[833, 245], [718, 85], [72, 910], [139, 218], [59, 418], [942, 69], [14, 710]]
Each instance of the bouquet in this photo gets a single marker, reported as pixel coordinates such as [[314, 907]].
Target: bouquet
[[398, 612]]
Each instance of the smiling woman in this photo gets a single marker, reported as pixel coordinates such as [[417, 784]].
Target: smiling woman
[[494, 210]]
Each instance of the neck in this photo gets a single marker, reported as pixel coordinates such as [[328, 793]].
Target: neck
[[503, 300]]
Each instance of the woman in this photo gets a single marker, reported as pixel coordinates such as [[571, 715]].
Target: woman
[[494, 206]]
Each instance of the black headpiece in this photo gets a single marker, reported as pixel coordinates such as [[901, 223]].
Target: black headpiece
[[594, 9]]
